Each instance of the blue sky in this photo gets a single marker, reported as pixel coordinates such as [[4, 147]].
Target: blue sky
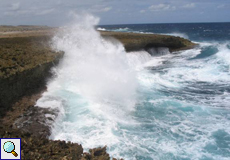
[[57, 12]]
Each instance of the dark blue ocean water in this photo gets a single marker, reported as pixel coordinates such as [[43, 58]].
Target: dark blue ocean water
[[144, 107], [194, 31], [185, 110]]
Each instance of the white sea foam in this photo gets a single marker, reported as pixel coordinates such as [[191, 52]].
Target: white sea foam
[[138, 59], [122, 29], [224, 53], [158, 51], [182, 35], [94, 90], [101, 29], [198, 70], [91, 63]]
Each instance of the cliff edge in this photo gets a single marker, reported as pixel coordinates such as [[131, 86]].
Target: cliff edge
[[137, 41], [26, 56], [26, 59]]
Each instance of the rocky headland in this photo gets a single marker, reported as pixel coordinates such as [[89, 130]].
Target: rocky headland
[[137, 41], [26, 59]]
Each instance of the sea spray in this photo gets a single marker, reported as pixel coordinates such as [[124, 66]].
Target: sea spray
[[96, 68], [138, 58], [94, 88], [181, 107]]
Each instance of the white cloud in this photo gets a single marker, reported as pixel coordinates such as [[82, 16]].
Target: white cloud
[[106, 9], [221, 6], [190, 5], [19, 12], [24, 12], [40, 11], [162, 7], [142, 11], [15, 6], [8, 13], [27, 12], [100, 8], [44, 12]]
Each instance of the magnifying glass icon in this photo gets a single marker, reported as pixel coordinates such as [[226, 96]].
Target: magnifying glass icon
[[9, 147]]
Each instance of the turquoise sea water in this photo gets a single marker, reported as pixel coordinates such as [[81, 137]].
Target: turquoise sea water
[[143, 107]]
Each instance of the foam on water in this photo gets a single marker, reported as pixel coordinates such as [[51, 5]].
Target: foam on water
[[186, 106], [94, 89], [101, 29], [173, 106], [182, 35], [126, 29], [137, 59]]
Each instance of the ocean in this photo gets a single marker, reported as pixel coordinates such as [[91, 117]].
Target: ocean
[[141, 106]]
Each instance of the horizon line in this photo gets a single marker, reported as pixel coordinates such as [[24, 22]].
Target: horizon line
[[160, 23]]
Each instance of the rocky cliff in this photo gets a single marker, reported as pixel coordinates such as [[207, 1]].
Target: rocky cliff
[[136, 41], [26, 59], [25, 64]]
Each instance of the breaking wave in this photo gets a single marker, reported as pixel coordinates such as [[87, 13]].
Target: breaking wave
[[170, 106]]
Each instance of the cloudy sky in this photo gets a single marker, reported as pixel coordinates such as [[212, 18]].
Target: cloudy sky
[[57, 12]]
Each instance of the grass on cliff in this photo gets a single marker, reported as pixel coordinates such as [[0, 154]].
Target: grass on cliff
[[22, 53]]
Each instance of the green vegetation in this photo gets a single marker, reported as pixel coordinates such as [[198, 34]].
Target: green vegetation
[[22, 53]]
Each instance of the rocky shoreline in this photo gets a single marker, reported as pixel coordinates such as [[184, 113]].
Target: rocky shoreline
[[26, 59], [137, 41], [29, 123]]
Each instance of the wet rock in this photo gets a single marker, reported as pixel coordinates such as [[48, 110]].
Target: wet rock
[[96, 153], [36, 121]]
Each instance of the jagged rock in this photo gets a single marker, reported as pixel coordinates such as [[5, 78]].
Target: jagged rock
[[35, 121], [96, 154]]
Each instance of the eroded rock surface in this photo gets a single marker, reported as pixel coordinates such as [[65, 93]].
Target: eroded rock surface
[[137, 41]]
